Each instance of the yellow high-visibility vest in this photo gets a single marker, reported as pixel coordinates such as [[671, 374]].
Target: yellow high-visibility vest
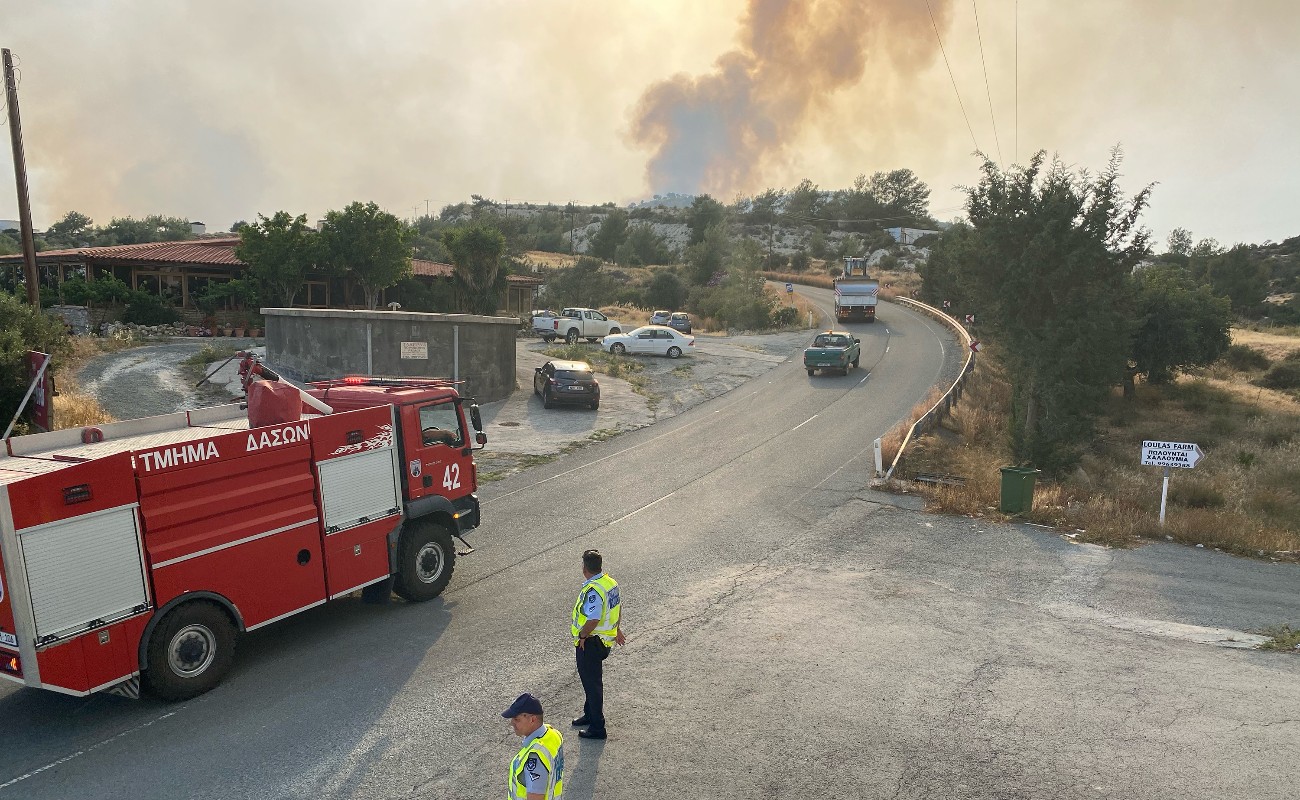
[[607, 628], [549, 749]]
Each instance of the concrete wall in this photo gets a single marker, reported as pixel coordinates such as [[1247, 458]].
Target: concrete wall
[[316, 344]]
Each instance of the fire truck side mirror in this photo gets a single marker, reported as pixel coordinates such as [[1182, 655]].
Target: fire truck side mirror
[[475, 418], [481, 438]]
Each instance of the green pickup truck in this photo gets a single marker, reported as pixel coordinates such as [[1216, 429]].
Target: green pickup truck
[[833, 350]]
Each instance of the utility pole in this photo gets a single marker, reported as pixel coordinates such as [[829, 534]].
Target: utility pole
[[426, 208], [20, 177]]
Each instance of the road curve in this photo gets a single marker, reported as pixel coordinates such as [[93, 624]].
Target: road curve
[[788, 636]]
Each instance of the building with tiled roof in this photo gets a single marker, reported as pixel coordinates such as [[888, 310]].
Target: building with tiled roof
[[178, 271]]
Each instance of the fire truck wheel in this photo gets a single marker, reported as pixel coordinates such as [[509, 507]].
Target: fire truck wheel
[[425, 564], [190, 651]]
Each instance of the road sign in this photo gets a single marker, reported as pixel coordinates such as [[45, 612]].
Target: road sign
[[970, 319], [975, 346], [789, 288], [947, 304], [1170, 454]]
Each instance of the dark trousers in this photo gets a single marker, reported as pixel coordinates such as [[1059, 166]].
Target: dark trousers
[[591, 658]]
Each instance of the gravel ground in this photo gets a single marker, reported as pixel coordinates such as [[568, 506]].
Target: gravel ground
[[521, 433], [150, 380]]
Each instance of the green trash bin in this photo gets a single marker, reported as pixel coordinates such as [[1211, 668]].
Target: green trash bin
[[1017, 489]]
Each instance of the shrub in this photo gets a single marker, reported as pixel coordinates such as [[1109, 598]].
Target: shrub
[[1196, 495], [24, 328], [1245, 359], [148, 309], [1285, 375], [785, 316]]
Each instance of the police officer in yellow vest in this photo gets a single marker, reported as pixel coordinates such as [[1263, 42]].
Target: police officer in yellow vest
[[595, 627], [537, 772]]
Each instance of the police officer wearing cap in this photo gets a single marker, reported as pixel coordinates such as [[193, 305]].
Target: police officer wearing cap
[[595, 627], [537, 772]]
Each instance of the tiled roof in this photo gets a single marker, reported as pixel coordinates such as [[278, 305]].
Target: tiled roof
[[431, 269], [192, 251], [217, 250]]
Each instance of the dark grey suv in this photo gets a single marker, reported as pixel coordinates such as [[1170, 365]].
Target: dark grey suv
[[568, 382], [680, 321]]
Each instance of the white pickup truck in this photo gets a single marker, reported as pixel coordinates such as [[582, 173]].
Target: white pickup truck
[[576, 323]]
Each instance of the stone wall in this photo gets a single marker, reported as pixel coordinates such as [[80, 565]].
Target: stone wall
[[318, 344]]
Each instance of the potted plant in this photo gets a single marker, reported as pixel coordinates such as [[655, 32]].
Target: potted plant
[[240, 325]]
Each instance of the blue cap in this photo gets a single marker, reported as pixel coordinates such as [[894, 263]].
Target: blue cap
[[523, 704]]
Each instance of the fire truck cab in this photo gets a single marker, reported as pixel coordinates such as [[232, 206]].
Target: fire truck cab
[[136, 553]]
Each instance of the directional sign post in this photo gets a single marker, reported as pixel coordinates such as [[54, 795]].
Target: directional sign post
[[975, 346], [789, 288], [1170, 455]]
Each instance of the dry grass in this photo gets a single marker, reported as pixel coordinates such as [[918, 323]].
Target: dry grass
[[541, 258], [1243, 497], [74, 408], [1274, 345]]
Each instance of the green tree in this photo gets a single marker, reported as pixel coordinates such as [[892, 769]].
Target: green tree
[[611, 234], [942, 274], [763, 207], [804, 203], [368, 244], [153, 228], [666, 290], [1179, 242], [583, 285], [73, 230], [643, 246], [279, 250], [707, 257], [704, 213], [24, 328], [1181, 323], [1240, 276], [477, 251], [901, 193], [1047, 271]]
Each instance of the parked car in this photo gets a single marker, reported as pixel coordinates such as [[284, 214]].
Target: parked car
[[680, 321], [583, 323], [833, 350], [544, 323], [660, 317], [568, 382], [653, 339]]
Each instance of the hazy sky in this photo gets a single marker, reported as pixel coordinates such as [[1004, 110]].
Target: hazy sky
[[219, 111]]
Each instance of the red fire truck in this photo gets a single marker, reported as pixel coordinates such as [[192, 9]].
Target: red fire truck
[[137, 552]]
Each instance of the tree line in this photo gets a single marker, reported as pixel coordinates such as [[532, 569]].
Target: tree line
[[1056, 269]]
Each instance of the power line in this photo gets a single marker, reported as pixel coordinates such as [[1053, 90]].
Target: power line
[[960, 104], [987, 90]]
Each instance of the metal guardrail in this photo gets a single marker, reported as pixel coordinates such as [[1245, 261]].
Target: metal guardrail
[[940, 409]]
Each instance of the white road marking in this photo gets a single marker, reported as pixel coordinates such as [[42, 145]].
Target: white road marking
[[643, 508], [67, 758], [805, 422], [864, 379]]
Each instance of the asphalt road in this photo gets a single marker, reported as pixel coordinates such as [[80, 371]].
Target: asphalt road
[[791, 634]]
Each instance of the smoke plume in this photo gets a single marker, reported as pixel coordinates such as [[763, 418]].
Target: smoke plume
[[717, 132]]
